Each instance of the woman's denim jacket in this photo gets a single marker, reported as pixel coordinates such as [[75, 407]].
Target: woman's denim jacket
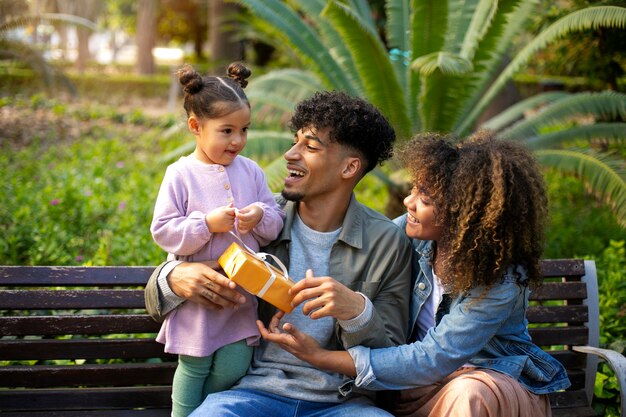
[[486, 327]]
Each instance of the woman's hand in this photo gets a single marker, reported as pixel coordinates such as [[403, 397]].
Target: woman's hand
[[305, 347], [201, 283], [326, 298], [299, 344]]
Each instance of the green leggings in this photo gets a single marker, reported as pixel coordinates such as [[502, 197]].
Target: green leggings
[[195, 377]]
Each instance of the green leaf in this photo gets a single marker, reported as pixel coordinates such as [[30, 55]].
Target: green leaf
[[516, 111], [605, 105], [585, 19], [589, 133], [303, 38], [602, 174], [445, 62], [381, 85]]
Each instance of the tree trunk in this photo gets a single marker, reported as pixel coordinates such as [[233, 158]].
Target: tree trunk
[[223, 47], [146, 35], [83, 49]]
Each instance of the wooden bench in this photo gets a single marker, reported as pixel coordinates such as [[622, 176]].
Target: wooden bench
[[76, 341]]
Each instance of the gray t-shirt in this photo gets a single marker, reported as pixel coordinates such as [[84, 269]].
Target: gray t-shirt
[[279, 372]]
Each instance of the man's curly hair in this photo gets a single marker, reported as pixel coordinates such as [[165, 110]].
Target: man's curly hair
[[490, 198], [353, 122]]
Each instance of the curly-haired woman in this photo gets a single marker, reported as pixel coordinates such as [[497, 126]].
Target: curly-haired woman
[[476, 215]]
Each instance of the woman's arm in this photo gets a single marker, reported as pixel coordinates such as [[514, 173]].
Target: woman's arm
[[306, 348]]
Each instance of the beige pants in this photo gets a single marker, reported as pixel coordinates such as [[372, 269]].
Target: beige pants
[[470, 392]]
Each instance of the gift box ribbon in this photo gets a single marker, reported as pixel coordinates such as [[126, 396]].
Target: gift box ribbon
[[263, 256]]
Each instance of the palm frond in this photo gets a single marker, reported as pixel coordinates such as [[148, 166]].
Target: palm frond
[[459, 17], [445, 62], [47, 72], [489, 58], [589, 18], [607, 105], [516, 111], [264, 144], [601, 174], [607, 132], [329, 36], [481, 21], [373, 65], [303, 38], [364, 11], [429, 22], [397, 24], [398, 42], [275, 173], [277, 101], [22, 21]]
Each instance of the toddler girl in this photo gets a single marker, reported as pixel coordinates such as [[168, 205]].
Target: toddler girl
[[203, 196]]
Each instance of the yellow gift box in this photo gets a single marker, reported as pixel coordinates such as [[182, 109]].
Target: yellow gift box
[[256, 276]]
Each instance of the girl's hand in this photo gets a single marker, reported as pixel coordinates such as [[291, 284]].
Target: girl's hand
[[299, 344], [248, 217], [221, 219]]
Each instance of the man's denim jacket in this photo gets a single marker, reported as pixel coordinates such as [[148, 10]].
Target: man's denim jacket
[[485, 327]]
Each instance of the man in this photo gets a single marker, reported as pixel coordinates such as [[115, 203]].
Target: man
[[356, 267]]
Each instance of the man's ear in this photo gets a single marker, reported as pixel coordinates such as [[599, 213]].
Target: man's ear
[[352, 167], [194, 125]]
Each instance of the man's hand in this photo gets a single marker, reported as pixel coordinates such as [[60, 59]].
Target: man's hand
[[201, 283], [327, 297], [221, 219], [248, 217]]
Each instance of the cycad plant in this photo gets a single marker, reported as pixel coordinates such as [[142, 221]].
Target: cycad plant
[[436, 66], [17, 50]]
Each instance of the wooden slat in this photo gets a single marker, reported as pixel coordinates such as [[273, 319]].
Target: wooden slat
[[85, 398], [77, 325], [570, 404], [571, 335], [570, 359], [558, 314], [562, 267], [52, 276], [70, 299], [560, 291], [45, 349], [53, 376]]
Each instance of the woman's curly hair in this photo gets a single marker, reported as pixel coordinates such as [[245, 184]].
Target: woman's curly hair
[[353, 122], [490, 198]]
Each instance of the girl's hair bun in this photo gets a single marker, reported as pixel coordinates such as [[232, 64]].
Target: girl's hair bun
[[239, 72], [189, 79]]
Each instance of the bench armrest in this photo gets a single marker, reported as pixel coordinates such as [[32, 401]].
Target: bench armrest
[[616, 362]]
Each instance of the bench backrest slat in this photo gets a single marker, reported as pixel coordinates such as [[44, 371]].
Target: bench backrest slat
[[125, 374], [45, 349], [58, 276], [85, 398], [77, 325], [71, 299]]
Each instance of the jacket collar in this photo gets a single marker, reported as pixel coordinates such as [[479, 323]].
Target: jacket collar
[[351, 228]]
